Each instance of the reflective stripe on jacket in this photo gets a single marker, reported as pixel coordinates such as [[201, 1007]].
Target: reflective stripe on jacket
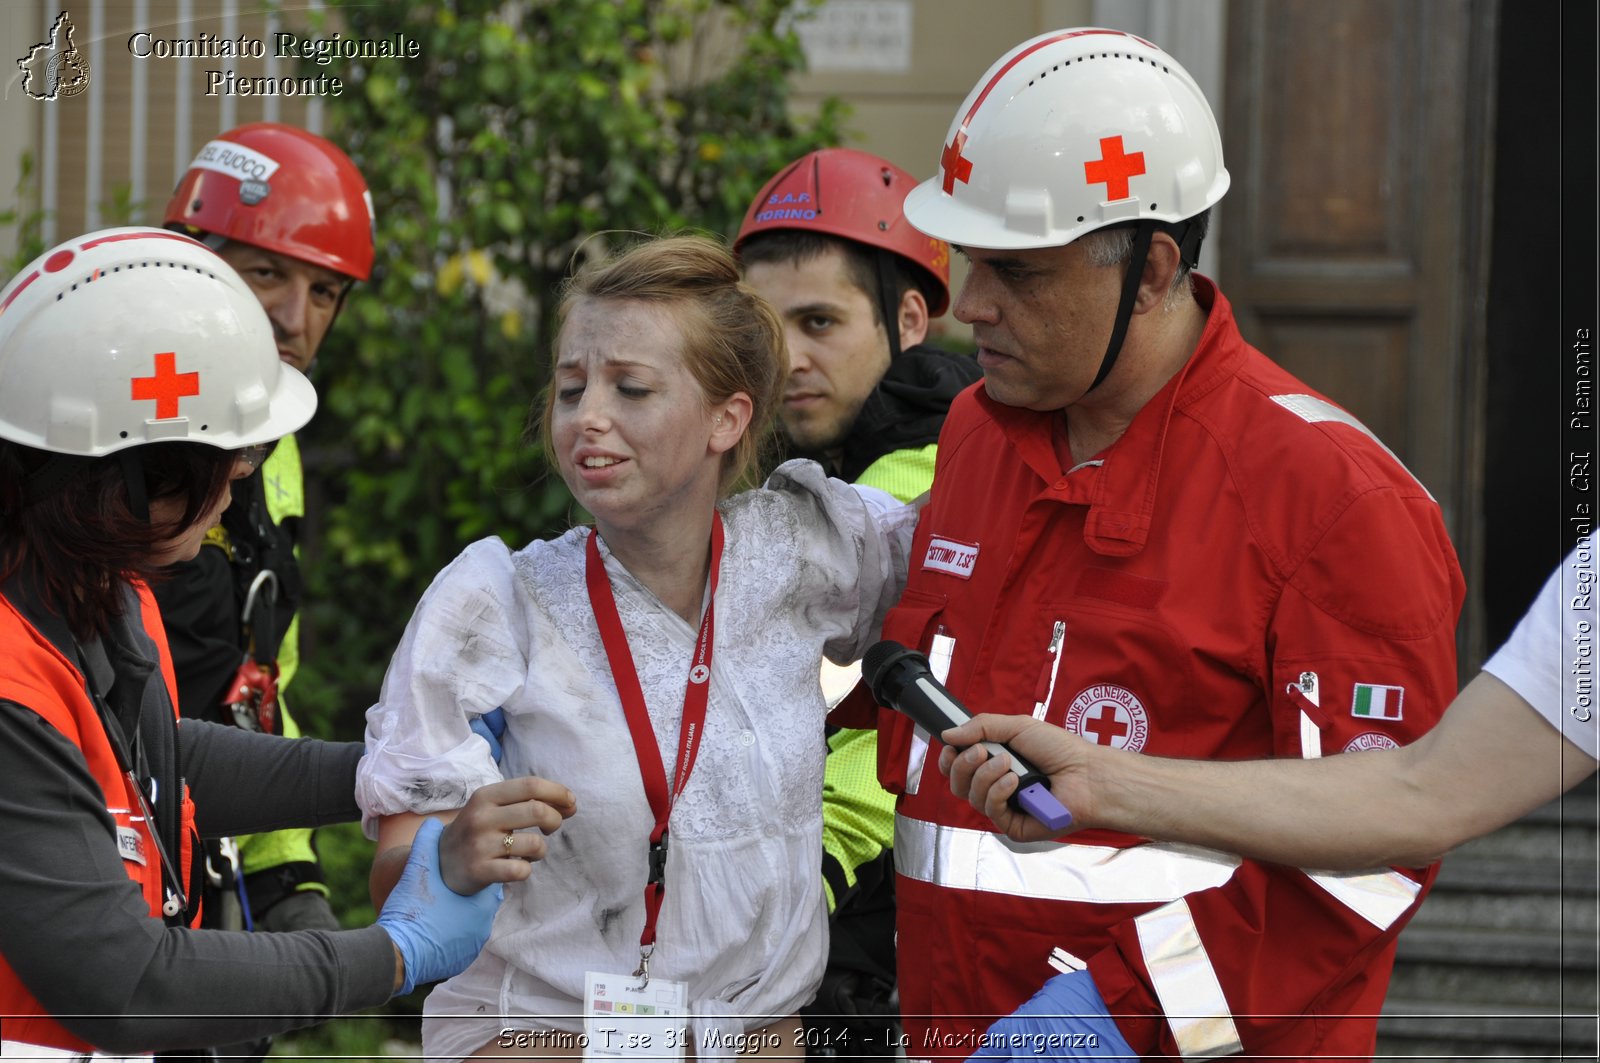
[[1245, 573]]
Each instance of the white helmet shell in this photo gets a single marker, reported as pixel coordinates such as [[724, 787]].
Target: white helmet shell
[[130, 336], [1067, 133]]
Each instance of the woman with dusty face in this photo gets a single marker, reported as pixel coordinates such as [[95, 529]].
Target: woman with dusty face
[[635, 436], [664, 665]]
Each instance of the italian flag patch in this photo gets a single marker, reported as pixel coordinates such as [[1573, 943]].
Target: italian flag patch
[[1374, 702]]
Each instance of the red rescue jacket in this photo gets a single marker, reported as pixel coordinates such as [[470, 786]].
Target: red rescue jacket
[[1247, 572], [38, 675]]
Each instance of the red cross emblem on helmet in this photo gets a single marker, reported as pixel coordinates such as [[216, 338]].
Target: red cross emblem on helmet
[[167, 386], [1113, 168], [956, 166]]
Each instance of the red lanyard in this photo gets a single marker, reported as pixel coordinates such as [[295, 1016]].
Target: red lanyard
[[633, 706]]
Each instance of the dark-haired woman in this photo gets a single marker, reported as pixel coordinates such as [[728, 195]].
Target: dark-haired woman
[[138, 377]]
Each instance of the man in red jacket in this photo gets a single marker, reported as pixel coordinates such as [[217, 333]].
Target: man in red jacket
[[1145, 532]]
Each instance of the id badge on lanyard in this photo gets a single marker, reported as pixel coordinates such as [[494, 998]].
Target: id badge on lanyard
[[626, 1019], [636, 1016]]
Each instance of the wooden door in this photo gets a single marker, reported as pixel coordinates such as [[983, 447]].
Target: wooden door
[[1352, 240]]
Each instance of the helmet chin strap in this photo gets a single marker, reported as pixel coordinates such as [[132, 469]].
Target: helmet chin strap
[[133, 475], [1186, 234], [888, 305], [344, 293], [1130, 292]]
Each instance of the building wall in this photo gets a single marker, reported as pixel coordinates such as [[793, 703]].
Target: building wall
[[112, 154]]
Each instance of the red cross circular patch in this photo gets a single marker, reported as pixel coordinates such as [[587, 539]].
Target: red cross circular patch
[[1370, 740], [1109, 715]]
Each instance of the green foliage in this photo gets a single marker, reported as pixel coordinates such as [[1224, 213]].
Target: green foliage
[[520, 132], [26, 217], [369, 1038], [122, 208], [27, 220]]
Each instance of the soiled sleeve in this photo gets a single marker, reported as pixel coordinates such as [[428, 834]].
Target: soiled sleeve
[[462, 655], [857, 538]]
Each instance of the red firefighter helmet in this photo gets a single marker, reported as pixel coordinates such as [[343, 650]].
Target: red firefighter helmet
[[283, 189], [851, 194]]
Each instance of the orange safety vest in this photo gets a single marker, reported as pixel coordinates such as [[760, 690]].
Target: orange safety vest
[[36, 674]]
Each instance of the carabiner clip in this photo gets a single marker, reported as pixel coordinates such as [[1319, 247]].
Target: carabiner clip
[[643, 973]]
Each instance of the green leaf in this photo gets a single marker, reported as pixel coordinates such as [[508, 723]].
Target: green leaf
[[508, 217]]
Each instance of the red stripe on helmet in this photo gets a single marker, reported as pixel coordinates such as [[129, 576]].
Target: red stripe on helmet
[[29, 279], [1046, 42], [143, 234]]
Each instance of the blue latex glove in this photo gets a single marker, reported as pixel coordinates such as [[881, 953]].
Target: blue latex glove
[[1066, 1019], [489, 727], [436, 929]]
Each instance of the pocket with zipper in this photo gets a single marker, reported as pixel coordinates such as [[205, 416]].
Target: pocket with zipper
[[1045, 688]]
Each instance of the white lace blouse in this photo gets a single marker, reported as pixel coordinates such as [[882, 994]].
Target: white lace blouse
[[810, 566]]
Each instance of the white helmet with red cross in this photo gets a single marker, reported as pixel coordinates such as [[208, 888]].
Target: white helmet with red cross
[[1070, 132], [130, 336]]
